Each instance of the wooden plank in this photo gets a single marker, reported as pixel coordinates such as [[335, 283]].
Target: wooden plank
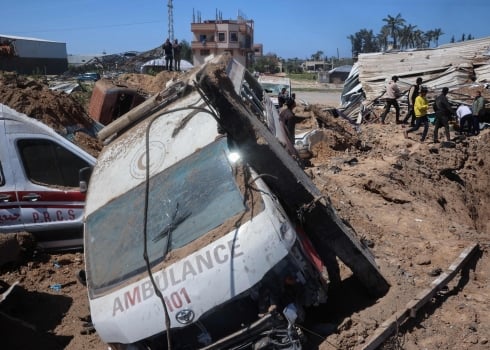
[[296, 191], [388, 327]]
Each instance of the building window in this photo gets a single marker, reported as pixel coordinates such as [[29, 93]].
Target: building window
[[202, 39], [204, 52], [221, 37], [233, 37]]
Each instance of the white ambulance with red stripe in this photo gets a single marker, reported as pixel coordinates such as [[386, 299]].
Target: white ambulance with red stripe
[[186, 247], [40, 181]]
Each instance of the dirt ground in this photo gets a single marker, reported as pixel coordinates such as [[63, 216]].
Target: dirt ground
[[416, 205]]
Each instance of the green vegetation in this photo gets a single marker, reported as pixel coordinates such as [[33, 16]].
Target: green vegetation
[[303, 76], [396, 34]]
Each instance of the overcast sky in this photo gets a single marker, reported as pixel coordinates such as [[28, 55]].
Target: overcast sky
[[290, 29]]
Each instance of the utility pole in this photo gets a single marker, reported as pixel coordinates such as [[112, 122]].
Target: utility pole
[[170, 21]]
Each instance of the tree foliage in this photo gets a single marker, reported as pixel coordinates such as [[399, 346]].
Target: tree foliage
[[394, 25], [396, 34], [268, 63], [364, 41], [186, 51], [317, 56]]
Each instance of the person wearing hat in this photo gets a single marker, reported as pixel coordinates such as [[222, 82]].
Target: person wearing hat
[[413, 92], [420, 108], [392, 93], [444, 111]]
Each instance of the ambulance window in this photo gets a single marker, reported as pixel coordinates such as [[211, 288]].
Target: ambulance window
[[48, 163]]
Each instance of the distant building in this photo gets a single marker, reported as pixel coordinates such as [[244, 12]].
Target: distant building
[[80, 60], [315, 66], [214, 37], [258, 50], [339, 74], [32, 56], [335, 76]]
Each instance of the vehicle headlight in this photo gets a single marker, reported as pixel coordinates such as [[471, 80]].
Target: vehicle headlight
[[234, 157]]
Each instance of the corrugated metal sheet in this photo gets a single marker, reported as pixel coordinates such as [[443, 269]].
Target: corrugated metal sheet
[[448, 65], [78, 60], [483, 73], [36, 48]]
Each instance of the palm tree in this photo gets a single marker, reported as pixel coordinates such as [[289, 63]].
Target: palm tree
[[429, 35], [317, 56], [355, 45], [419, 38], [437, 33], [406, 36], [394, 24], [383, 38]]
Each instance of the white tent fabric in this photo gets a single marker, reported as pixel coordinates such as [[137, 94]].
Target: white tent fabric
[[160, 62]]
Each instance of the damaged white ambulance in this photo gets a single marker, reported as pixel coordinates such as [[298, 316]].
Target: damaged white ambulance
[[186, 247]]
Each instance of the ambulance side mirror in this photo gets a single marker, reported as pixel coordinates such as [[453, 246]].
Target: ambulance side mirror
[[84, 177]]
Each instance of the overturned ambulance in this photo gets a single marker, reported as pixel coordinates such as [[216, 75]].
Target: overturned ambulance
[[189, 243]]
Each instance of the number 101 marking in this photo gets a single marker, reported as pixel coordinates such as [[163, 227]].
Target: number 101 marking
[[177, 299]]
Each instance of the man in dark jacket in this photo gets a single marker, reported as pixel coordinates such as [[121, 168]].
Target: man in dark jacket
[[443, 111], [168, 51], [282, 97], [412, 94], [177, 57]]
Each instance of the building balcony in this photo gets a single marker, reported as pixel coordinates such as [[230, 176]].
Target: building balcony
[[203, 27], [203, 45]]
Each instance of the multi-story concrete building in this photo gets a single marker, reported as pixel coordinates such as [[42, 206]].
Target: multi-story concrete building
[[214, 37]]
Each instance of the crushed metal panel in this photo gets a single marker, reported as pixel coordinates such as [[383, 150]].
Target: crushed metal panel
[[483, 73], [453, 65], [299, 194], [190, 163], [376, 68]]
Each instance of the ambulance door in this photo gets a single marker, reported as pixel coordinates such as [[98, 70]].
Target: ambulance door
[[49, 194], [10, 217]]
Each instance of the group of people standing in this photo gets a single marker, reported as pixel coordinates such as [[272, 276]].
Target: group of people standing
[[172, 53], [418, 106]]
